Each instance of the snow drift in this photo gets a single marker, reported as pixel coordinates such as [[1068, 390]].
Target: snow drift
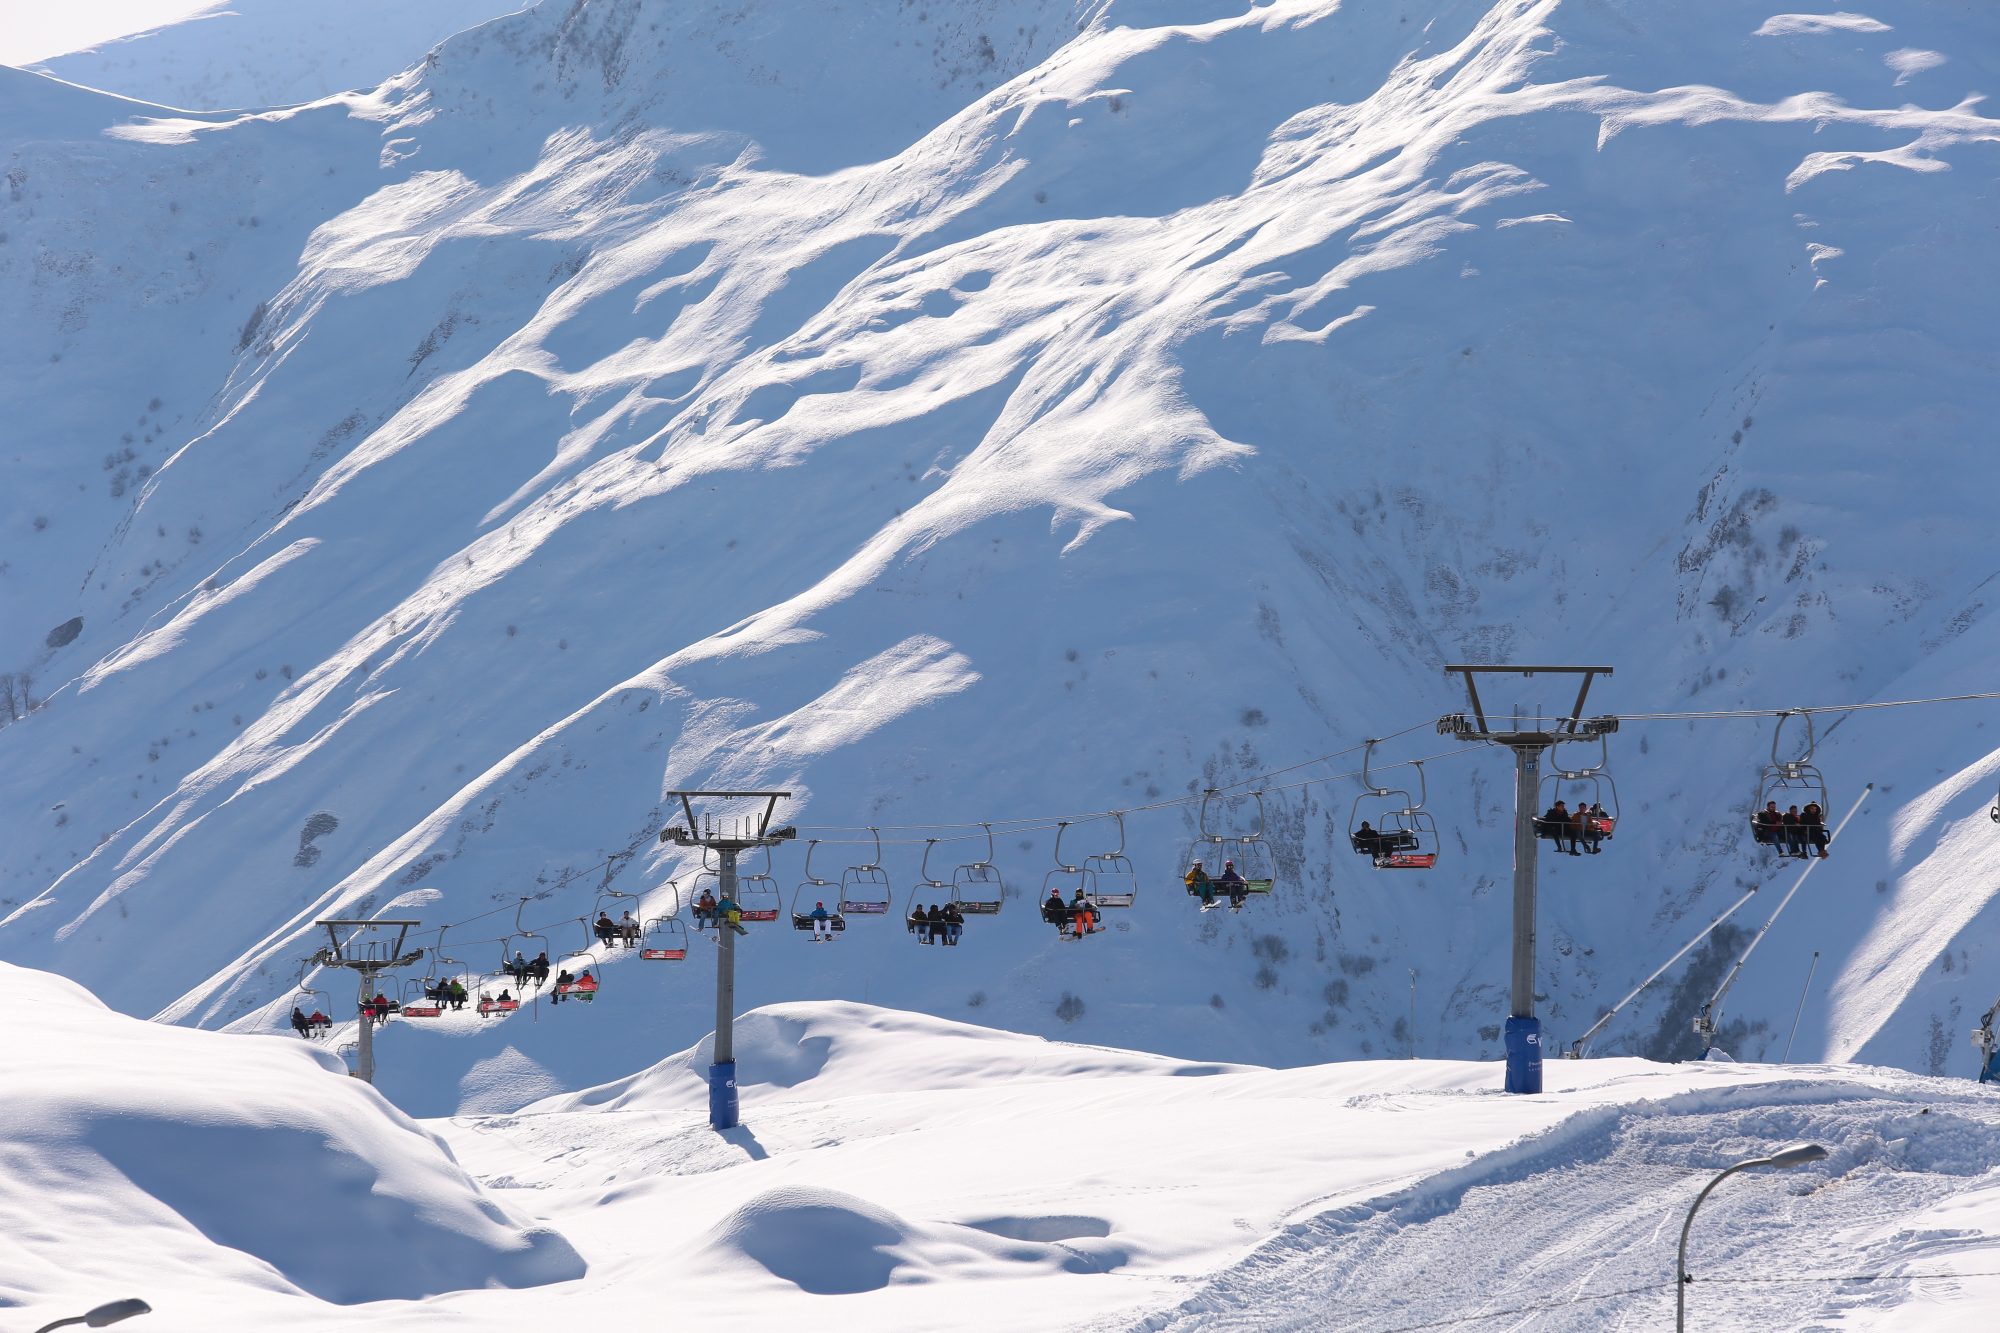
[[143, 1155]]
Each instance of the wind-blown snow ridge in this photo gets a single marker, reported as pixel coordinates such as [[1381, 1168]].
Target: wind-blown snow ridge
[[1016, 408]]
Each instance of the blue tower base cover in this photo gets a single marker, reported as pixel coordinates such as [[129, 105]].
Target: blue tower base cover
[[1524, 1054], [1990, 1071], [722, 1095]]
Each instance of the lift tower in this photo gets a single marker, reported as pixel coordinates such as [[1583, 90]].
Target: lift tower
[[726, 837], [370, 955], [1527, 737]]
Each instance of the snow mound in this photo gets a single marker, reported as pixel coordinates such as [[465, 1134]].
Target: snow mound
[[842, 1048], [830, 1243], [249, 1159]]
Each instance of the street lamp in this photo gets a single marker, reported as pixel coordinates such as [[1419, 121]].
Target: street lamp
[[103, 1316], [1796, 1154]]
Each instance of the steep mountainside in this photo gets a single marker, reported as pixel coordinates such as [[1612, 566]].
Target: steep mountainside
[[256, 53], [956, 413]]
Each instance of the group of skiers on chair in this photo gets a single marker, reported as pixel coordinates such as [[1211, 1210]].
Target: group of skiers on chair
[[1575, 831], [935, 924], [1229, 882], [315, 1024], [708, 910], [1076, 918], [623, 931], [1796, 832]]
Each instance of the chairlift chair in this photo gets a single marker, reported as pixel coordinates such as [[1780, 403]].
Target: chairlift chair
[[709, 882], [864, 889], [1066, 882], [1215, 848], [310, 1000], [931, 887], [419, 1004], [663, 939], [1795, 781], [391, 1005], [1117, 881], [757, 896], [489, 1007], [1600, 827], [584, 985], [819, 891], [1406, 836], [622, 934], [977, 888]]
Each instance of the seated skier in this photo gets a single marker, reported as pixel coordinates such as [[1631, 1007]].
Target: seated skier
[[1812, 825], [1233, 884], [1082, 915], [604, 928], [1055, 911], [1199, 883], [1770, 825], [822, 920], [300, 1024], [954, 923], [1366, 840]]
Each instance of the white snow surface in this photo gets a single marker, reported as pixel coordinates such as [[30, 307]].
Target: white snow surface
[[259, 53], [1002, 409], [897, 1171], [195, 1163]]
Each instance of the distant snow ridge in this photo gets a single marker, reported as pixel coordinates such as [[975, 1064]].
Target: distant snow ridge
[[258, 53], [131, 1145], [955, 412]]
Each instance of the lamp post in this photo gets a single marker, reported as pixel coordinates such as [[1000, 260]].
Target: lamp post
[[103, 1316], [1796, 1154]]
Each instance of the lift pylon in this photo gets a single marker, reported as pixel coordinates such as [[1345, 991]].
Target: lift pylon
[[1528, 738], [370, 957], [726, 835]]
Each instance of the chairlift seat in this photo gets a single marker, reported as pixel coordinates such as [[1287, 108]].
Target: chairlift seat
[[1406, 861], [1117, 899], [582, 990], [975, 907], [759, 914], [851, 908], [834, 921], [488, 1008], [423, 1011], [663, 955]]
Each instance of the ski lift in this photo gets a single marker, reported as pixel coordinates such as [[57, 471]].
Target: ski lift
[[1117, 881], [864, 889], [757, 897], [518, 943], [1246, 850], [422, 1002], [977, 888], [1794, 781], [380, 1010], [663, 939], [821, 890], [940, 895], [1065, 882], [709, 882], [309, 1001], [623, 932], [583, 985], [1599, 826], [1406, 838]]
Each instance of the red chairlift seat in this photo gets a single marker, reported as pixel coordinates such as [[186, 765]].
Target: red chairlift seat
[[488, 1008]]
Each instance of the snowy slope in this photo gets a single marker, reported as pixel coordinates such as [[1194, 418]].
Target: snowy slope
[[900, 1172], [188, 1163], [253, 53], [1021, 407]]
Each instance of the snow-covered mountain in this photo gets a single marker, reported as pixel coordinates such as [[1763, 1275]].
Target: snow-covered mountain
[[258, 53], [997, 410]]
